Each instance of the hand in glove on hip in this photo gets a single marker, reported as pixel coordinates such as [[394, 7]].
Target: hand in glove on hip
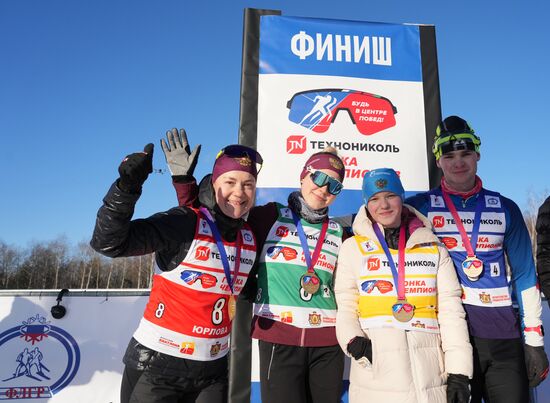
[[360, 347], [537, 365], [135, 169], [181, 161], [458, 388]]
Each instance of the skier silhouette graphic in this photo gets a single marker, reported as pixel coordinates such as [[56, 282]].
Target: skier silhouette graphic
[[30, 365], [320, 110]]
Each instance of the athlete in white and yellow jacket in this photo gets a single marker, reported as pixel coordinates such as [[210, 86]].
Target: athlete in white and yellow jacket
[[400, 319]]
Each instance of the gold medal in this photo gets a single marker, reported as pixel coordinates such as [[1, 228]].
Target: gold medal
[[472, 267], [402, 310], [310, 283], [231, 306]]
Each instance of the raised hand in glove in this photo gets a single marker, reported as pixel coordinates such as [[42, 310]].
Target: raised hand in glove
[[360, 347], [458, 388], [135, 168], [181, 161], [537, 365]]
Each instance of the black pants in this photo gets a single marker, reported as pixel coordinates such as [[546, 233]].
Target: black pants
[[290, 374], [499, 371], [149, 387]]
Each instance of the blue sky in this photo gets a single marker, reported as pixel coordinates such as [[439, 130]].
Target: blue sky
[[83, 83]]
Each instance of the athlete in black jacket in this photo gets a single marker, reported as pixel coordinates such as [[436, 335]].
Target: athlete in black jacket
[[176, 375]]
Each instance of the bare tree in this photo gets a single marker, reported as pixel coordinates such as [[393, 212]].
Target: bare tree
[[58, 250], [111, 266], [9, 262], [139, 273], [151, 271], [56, 264]]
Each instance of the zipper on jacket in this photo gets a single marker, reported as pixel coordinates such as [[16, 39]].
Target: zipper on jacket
[[270, 361], [465, 201]]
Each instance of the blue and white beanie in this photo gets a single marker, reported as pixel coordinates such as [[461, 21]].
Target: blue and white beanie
[[382, 180]]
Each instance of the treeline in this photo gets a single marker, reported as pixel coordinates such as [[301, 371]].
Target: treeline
[[58, 264]]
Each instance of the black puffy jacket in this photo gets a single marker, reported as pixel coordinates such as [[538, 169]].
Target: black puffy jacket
[[543, 247], [169, 234]]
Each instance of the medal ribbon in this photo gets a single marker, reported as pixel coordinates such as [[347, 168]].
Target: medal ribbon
[[399, 274], [470, 250], [310, 259], [221, 248]]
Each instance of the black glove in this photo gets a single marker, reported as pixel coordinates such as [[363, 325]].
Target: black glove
[[135, 169], [537, 365], [250, 289], [181, 161], [458, 388], [360, 347]]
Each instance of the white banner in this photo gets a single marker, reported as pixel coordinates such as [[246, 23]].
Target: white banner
[[77, 358], [356, 86]]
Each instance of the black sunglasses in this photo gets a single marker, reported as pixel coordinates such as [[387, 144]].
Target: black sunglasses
[[240, 151]]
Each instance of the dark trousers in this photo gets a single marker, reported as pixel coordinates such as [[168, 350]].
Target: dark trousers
[[291, 374], [148, 387], [499, 371]]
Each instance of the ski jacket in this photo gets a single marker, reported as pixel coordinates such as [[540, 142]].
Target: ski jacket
[[189, 286], [263, 221], [282, 264], [408, 365], [503, 237]]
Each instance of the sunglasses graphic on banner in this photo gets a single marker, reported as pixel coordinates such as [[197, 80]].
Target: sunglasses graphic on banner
[[317, 109], [191, 277], [383, 286]]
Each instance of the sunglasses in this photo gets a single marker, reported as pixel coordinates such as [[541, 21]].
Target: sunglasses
[[191, 277], [321, 179], [454, 142], [383, 286], [240, 151], [317, 109]]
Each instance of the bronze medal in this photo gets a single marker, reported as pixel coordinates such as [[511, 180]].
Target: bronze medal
[[310, 283], [402, 310], [472, 267], [231, 306]]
